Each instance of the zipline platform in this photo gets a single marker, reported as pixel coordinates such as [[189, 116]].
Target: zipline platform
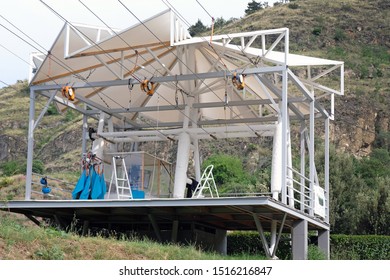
[[203, 221], [223, 213], [166, 86]]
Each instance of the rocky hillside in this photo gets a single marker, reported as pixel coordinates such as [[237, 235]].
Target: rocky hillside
[[355, 31]]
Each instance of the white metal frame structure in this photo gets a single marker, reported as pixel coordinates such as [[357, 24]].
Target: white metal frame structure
[[197, 97]]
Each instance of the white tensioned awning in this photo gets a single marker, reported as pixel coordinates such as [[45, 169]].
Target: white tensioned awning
[[160, 47]]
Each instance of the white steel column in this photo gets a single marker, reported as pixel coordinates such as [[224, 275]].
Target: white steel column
[[273, 236], [303, 166], [276, 171], [197, 162], [182, 156], [30, 145], [327, 170], [284, 113], [311, 158], [289, 181], [84, 134]]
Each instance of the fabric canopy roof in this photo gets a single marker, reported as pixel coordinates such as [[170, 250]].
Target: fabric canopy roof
[[161, 46]]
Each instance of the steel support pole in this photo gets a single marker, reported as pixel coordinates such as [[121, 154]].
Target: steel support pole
[[284, 113], [197, 162], [311, 159], [262, 236], [327, 170], [84, 135], [272, 244], [303, 166], [30, 145]]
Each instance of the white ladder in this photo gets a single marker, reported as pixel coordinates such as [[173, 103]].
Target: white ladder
[[122, 184], [206, 182]]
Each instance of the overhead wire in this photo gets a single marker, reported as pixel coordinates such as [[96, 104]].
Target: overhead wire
[[156, 70], [169, 5], [87, 37]]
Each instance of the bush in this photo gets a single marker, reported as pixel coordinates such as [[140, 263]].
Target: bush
[[250, 243], [10, 168], [360, 247], [316, 31], [14, 167], [339, 35], [6, 181], [52, 110], [343, 247], [293, 6]]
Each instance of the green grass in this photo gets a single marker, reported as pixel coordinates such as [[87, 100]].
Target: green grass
[[20, 240]]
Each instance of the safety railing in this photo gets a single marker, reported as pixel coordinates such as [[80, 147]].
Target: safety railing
[[304, 195]]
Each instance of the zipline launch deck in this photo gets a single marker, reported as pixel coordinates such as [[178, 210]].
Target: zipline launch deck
[[221, 213], [154, 83]]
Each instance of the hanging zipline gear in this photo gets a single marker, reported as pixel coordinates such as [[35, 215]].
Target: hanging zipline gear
[[238, 81], [69, 93], [45, 188], [148, 87]]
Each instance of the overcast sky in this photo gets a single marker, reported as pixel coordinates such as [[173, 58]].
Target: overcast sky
[[42, 25]]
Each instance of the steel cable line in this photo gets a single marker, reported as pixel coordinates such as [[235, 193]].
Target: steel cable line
[[99, 90], [188, 117], [169, 5], [131, 47], [183, 63], [40, 51], [61, 17]]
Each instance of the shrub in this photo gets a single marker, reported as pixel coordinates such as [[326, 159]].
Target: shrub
[[316, 31], [339, 35], [52, 110], [14, 167], [6, 181], [343, 247], [293, 6], [360, 247], [10, 168]]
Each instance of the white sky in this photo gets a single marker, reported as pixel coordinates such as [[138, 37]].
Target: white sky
[[41, 24]]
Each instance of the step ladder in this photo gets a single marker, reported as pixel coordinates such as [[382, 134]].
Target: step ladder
[[122, 183], [206, 183]]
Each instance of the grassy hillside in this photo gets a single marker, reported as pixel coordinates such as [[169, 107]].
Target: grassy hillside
[[21, 240]]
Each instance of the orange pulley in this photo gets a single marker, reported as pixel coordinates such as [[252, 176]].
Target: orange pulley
[[68, 92], [238, 81], [148, 87]]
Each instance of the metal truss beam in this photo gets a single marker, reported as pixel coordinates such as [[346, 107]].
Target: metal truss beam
[[199, 133], [165, 79]]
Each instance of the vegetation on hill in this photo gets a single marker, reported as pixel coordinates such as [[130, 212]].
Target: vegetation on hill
[[19, 240]]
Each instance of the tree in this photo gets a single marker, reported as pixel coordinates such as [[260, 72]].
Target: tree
[[253, 7], [219, 22], [197, 28]]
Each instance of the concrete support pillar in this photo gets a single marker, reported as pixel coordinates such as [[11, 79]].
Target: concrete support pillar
[[175, 230], [182, 157], [299, 240], [221, 241], [324, 242]]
